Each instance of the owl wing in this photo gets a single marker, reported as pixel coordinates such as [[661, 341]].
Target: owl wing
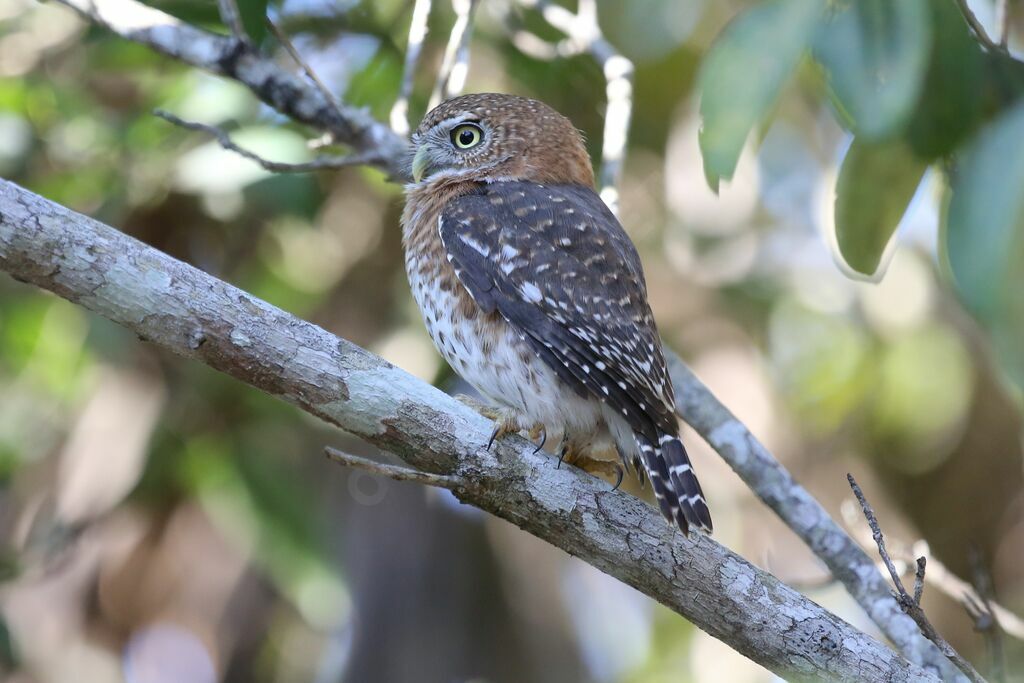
[[557, 265]]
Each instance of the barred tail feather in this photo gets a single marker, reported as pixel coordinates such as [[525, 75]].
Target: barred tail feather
[[675, 485]]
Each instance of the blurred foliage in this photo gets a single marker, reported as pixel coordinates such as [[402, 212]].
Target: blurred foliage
[[913, 84], [826, 127]]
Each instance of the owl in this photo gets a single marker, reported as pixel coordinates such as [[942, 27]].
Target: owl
[[534, 294]]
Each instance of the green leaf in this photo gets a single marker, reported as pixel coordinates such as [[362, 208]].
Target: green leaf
[[876, 183], [253, 14], [984, 235], [875, 53], [743, 72], [950, 106]]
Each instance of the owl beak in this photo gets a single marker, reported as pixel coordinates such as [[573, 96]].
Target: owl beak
[[421, 163]]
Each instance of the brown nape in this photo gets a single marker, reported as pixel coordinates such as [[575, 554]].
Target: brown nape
[[543, 145]]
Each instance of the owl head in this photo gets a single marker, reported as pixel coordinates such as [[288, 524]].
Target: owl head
[[490, 136]]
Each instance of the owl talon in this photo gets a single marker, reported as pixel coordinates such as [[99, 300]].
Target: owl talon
[[620, 473], [538, 430], [507, 424]]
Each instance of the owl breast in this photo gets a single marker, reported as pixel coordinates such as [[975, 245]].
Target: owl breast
[[487, 352]]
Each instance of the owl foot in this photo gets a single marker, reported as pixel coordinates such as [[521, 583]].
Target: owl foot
[[574, 455], [507, 421], [602, 468], [488, 411]]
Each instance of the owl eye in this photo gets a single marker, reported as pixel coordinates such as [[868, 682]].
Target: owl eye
[[467, 135]]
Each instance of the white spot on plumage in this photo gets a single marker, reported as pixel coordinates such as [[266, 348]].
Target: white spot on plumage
[[476, 246], [531, 292]]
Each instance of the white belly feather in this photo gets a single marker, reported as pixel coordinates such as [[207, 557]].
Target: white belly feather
[[499, 368]]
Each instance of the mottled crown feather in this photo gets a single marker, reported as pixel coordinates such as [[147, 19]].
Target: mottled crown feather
[[529, 140]]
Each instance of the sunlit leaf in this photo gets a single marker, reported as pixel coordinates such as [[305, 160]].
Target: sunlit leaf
[[876, 183], [875, 53], [742, 74], [985, 235]]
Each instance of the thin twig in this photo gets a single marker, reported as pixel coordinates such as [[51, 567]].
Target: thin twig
[[985, 621], [225, 141], [287, 44], [417, 34], [939, 576], [976, 27], [452, 76], [876, 534], [1003, 22], [441, 481], [232, 18], [906, 601], [583, 35]]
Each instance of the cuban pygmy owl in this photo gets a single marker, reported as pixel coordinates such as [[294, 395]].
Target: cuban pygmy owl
[[534, 294]]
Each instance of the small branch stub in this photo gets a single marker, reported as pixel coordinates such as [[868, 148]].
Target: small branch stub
[[441, 481]]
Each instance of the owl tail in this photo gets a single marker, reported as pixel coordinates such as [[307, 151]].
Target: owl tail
[[675, 485]]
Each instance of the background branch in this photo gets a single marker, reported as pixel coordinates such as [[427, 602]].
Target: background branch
[[232, 18], [224, 140], [225, 56], [192, 314], [417, 34], [452, 76], [584, 36]]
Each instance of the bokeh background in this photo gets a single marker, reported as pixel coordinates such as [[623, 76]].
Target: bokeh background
[[160, 522]]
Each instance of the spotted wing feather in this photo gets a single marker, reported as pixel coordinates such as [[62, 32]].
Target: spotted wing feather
[[557, 265]]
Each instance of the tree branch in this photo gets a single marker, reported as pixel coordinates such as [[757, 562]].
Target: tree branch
[[225, 141], [452, 75], [285, 92], [774, 485], [583, 35], [417, 34], [194, 315]]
